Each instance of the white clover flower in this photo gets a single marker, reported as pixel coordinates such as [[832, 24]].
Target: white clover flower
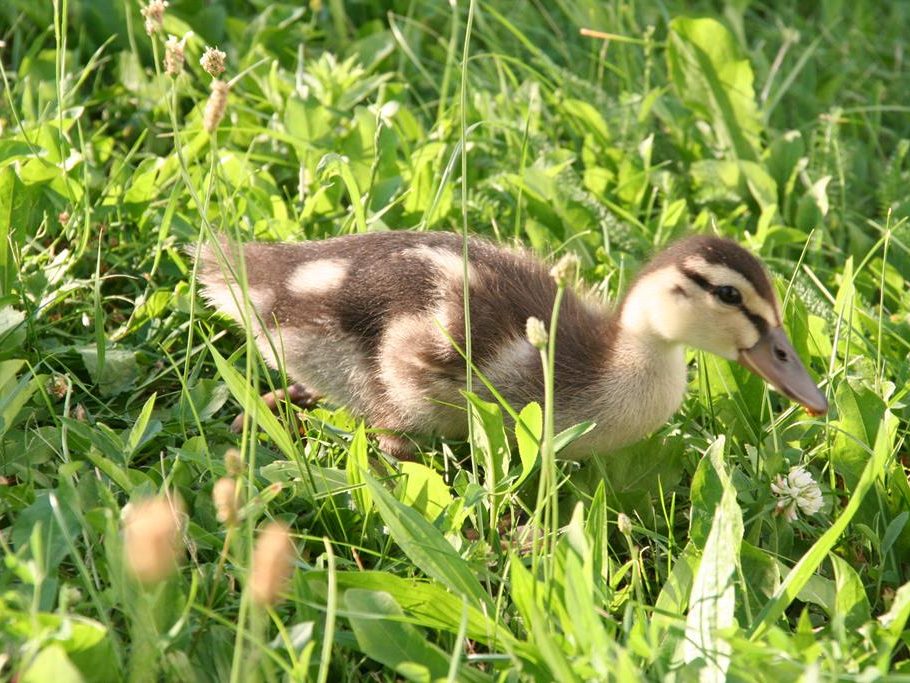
[[796, 490]]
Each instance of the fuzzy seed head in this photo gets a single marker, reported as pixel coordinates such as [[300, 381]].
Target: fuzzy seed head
[[174, 56], [212, 61], [536, 332], [563, 273], [58, 386], [225, 495], [233, 462], [153, 14], [152, 542], [273, 563], [624, 524], [214, 108], [796, 490]]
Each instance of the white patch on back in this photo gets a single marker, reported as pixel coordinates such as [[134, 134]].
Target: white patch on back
[[318, 277], [414, 384], [508, 366], [447, 262]]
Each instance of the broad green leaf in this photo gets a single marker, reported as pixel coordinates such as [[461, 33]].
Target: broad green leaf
[[490, 435], [426, 547], [12, 331], [528, 431], [813, 206], [893, 626], [7, 265], [382, 635], [52, 541], [203, 398], [671, 603], [356, 464], [783, 155], [524, 592], [585, 625], [712, 602], [86, 642], [51, 664], [850, 602], [424, 489], [860, 412], [706, 493], [761, 185], [428, 603], [316, 482], [115, 373], [13, 394], [592, 121], [332, 165], [714, 79], [846, 295], [142, 429]]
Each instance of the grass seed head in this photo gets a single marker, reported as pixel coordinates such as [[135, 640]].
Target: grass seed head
[[153, 14], [58, 386], [224, 495], [536, 332], [273, 559], [212, 61], [214, 108], [152, 540], [233, 462], [563, 272], [174, 56], [624, 524]]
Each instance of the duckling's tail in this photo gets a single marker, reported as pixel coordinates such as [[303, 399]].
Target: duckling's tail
[[226, 284]]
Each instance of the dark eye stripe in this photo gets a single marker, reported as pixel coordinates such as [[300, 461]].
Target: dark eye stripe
[[760, 324], [757, 321], [697, 279]]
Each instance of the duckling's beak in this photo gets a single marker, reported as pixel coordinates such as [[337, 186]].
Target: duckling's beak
[[775, 359]]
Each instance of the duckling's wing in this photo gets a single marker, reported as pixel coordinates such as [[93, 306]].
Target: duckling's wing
[[322, 309], [376, 321]]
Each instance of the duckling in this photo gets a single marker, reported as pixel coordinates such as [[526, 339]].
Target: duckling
[[368, 321]]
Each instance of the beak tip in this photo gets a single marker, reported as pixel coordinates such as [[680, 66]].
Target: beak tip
[[817, 409]]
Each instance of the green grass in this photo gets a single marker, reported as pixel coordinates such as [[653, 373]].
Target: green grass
[[782, 125]]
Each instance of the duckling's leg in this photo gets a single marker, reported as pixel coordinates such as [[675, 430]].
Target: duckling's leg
[[297, 394]]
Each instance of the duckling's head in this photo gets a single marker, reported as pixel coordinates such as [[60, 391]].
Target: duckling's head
[[711, 294]]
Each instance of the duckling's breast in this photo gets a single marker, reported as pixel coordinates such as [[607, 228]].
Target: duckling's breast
[[637, 393]]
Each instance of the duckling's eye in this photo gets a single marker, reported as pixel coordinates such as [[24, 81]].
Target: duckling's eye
[[728, 295]]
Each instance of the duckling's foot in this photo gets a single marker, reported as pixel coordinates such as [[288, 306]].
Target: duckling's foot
[[297, 394]]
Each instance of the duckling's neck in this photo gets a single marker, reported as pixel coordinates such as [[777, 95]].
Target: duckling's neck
[[641, 384], [651, 366]]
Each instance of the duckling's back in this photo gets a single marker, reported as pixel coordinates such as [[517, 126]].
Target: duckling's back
[[376, 321]]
